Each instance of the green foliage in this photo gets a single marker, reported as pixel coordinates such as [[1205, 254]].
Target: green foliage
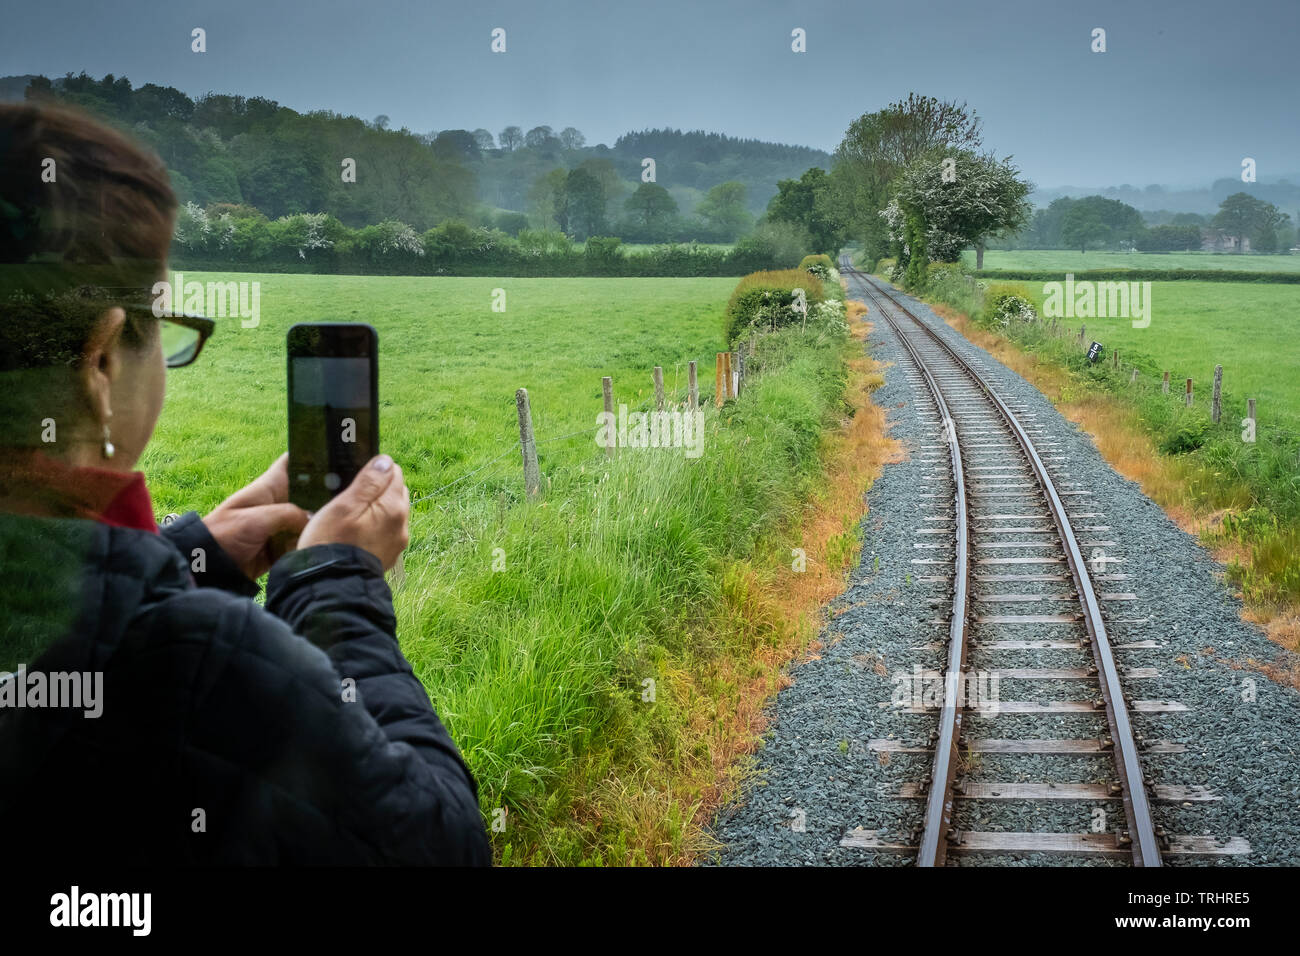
[[1170, 238], [766, 301], [810, 202], [818, 261], [1243, 216], [1189, 433], [723, 208]]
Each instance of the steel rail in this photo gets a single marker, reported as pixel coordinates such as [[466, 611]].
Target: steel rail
[[1137, 806]]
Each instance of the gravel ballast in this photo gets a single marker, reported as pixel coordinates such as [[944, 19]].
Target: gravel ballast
[[815, 777]]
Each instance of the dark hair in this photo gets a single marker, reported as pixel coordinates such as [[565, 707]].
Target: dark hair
[[94, 236]]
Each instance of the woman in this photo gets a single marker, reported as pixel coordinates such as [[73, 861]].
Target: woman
[[156, 713]]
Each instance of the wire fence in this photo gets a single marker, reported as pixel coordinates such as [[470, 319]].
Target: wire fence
[[729, 377]]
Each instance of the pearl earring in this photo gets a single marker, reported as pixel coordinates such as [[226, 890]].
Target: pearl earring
[[108, 450]]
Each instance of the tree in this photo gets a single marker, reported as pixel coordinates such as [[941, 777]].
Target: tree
[[1171, 238], [455, 144], [511, 138], [380, 121], [571, 138], [611, 183], [723, 208], [1082, 225], [585, 203], [483, 139], [808, 201], [653, 208], [1241, 215], [878, 146], [547, 200], [538, 137], [962, 199]]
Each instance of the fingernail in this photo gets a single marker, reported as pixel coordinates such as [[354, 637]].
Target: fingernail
[[383, 463]]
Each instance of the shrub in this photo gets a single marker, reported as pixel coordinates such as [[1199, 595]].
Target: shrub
[[511, 223], [1007, 302], [819, 265], [768, 298], [603, 251], [1189, 434]]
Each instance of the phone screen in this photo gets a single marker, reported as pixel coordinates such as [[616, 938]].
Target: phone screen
[[333, 427]]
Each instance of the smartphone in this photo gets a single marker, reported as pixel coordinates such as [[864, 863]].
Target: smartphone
[[333, 407]]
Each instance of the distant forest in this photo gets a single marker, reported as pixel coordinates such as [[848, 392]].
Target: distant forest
[[252, 151]]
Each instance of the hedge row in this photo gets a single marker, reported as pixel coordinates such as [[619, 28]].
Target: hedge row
[[681, 261], [1130, 275]]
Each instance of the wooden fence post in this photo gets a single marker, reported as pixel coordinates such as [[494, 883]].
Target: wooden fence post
[[733, 373], [659, 387], [1132, 379], [740, 369], [720, 383], [693, 387], [532, 475], [1114, 360], [1187, 396], [1216, 398], [1165, 386], [1250, 410], [607, 386]]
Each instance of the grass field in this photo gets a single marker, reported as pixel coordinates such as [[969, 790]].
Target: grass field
[[1076, 261], [1249, 329], [448, 370], [598, 655]]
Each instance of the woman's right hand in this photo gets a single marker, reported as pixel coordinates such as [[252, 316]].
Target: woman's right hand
[[371, 513]]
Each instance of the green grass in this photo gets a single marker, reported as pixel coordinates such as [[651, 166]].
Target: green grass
[[1075, 261], [623, 572], [449, 367], [1249, 329]]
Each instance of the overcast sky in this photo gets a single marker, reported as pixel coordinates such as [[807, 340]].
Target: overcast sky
[[1183, 92]]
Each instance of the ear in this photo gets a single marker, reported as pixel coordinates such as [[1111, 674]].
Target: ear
[[101, 363]]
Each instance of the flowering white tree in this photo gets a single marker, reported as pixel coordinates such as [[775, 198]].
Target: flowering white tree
[[397, 236], [196, 231], [963, 199]]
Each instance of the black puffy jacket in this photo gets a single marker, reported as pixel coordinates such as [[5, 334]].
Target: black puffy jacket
[[230, 733]]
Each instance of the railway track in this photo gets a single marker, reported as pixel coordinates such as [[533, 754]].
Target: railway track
[[1025, 586]]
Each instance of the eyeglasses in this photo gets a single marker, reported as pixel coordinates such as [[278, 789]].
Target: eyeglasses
[[182, 335]]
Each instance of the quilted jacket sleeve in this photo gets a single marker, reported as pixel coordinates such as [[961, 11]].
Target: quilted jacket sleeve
[[306, 737], [423, 799]]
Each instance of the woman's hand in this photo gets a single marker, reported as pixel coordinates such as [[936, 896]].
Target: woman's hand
[[371, 513], [245, 523]]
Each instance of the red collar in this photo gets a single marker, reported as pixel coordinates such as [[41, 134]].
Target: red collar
[[34, 483]]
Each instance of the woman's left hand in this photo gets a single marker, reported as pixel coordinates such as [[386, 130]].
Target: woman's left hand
[[245, 523]]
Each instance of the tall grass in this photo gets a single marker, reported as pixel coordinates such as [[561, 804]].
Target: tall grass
[[542, 628]]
